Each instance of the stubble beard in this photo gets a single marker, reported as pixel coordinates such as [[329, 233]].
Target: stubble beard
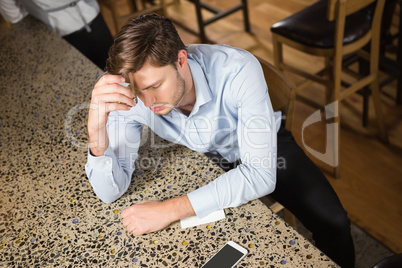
[[177, 97]]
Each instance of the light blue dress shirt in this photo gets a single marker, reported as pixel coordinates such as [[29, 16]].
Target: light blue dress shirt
[[232, 116]]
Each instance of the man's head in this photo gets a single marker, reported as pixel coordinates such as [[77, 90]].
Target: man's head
[[149, 53], [146, 38]]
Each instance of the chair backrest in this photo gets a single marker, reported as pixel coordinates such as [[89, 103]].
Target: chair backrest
[[351, 6], [338, 10], [281, 91]]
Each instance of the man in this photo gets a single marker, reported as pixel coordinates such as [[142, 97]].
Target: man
[[79, 22], [212, 99]]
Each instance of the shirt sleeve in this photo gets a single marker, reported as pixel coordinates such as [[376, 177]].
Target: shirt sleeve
[[11, 11], [257, 142], [110, 174]]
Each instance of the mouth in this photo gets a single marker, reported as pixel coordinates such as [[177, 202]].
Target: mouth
[[157, 108]]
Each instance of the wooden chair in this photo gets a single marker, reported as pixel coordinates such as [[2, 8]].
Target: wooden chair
[[217, 15], [392, 66], [282, 95], [137, 9], [333, 29]]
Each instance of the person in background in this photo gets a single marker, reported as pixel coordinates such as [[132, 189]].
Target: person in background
[[213, 99], [79, 22]]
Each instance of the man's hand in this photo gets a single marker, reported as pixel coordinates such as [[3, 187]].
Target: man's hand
[[151, 216], [107, 96]]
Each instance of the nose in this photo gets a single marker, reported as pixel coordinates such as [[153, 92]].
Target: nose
[[149, 99]]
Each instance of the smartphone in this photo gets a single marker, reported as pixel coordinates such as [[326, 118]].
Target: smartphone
[[227, 257]]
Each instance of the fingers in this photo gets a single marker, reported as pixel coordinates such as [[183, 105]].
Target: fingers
[[110, 101], [113, 93], [127, 221], [133, 221], [110, 79], [113, 88], [110, 83], [145, 217], [117, 106], [126, 212], [130, 210], [132, 226]]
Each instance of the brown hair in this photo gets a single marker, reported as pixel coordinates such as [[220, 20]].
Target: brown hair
[[147, 37]]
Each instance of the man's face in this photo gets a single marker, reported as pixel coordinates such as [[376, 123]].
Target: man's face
[[159, 88]]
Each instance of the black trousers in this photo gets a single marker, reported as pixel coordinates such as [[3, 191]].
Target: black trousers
[[94, 44], [304, 190]]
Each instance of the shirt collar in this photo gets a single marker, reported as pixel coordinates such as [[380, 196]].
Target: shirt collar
[[202, 90]]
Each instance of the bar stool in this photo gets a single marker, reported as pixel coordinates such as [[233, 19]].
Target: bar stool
[[333, 29], [387, 64], [392, 67]]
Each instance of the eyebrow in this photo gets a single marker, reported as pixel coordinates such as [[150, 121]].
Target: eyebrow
[[153, 84]]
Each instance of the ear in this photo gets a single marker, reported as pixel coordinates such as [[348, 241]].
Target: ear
[[182, 59]]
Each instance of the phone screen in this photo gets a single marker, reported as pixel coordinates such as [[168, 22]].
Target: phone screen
[[225, 258]]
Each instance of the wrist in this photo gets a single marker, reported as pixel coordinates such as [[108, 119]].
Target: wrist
[[98, 142], [180, 207], [96, 151]]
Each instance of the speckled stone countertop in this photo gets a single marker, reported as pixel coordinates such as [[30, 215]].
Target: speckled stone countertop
[[49, 215]]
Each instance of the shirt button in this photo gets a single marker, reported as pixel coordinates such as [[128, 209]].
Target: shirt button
[[199, 146], [114, 185], [107, 162]]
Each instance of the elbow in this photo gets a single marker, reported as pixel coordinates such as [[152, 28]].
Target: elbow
[[269, 177], [110, 195], [261, 179], [107, 198], [106, 188]]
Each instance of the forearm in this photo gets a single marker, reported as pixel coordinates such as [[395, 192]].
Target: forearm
[[110, 157], [107, 96], [180, 207], [151, 216], [98, 141], [107, 176], [232, 189]]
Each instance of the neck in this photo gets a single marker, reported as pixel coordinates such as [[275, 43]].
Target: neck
[[187, 103], [186, 110]]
